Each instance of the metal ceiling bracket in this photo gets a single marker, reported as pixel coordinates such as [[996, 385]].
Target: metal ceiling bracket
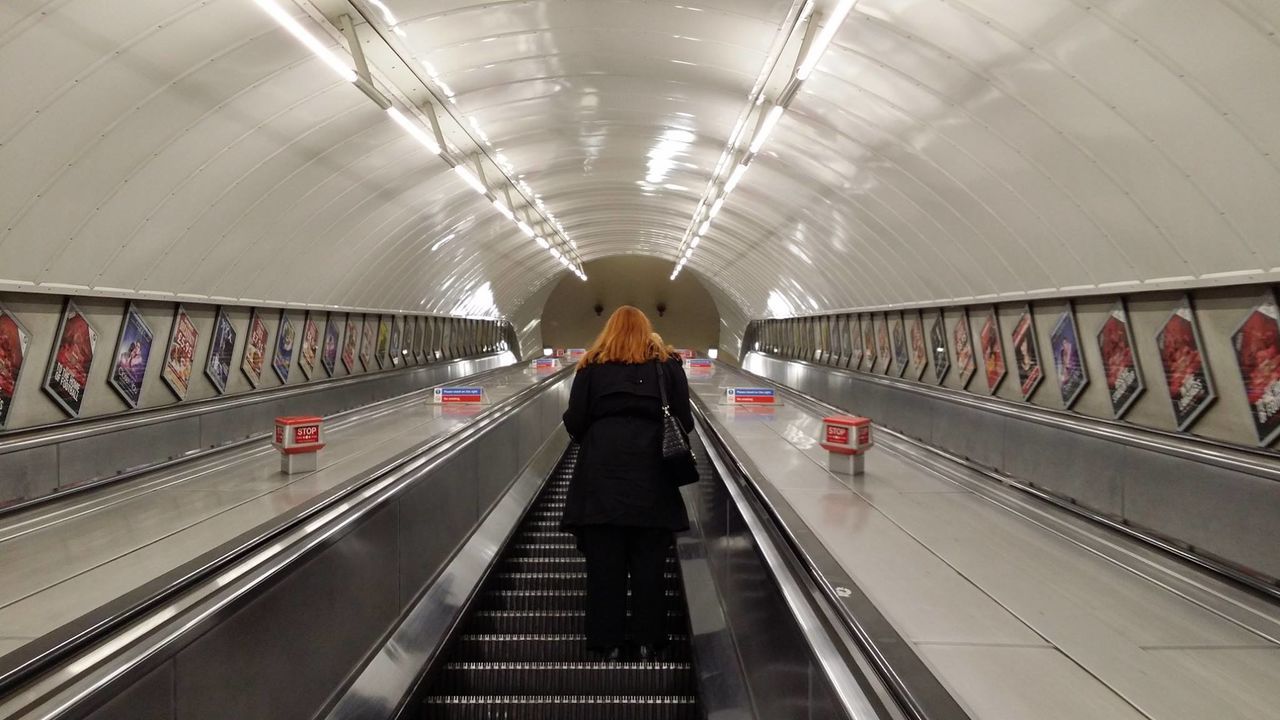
[[430, 111], [353, 45]]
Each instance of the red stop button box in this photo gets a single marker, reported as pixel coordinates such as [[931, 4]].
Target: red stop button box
[[846, 438], [299, 438]]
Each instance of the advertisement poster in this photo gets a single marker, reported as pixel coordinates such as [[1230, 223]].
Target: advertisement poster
[[882, 343], [992, 352], [180, 361], [14, 341], [410, 328], [938, 340], [900, 350], [966, 364], [133, 352], [310, 348], [286, 340], [367, 339], [221, 348], [855, 333], [420, 340], [1068, 360], [1257, 346], [384, 340], [255, 349], [1119, 362], [919, 353], [1026, 353], [393, 350], [1186, 371], [350, 343], [68, 375], [329, 355], [869, 340]]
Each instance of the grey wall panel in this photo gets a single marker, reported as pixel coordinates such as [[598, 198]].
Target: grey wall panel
[[285, 652], [28, 474], [1087, 470], [435, 517], [151, 698], [1227, 514], [498, 464], [99, 456]]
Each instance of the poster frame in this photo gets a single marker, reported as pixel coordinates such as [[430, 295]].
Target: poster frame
[[917, 344], [992, 319], [938, 334], [351, 341], [368, 338], [130, 311], [380, 351], [1068, 320], [898, 341], [309, 327], [1119, 309], [869, 348], [1211, 390], [285, 333], [393, 343], [1267, 297], [67, 309], [1027, 386], [855, 350], [331, 328], [179, 314], [410, 333], [255, 320], [883, 346], [219, 318], [24, 339], [965, 371]]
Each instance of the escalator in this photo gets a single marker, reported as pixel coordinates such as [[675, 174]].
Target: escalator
[[520, 652]]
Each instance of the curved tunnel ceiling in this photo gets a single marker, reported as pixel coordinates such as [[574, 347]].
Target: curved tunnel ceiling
[[942, 151]]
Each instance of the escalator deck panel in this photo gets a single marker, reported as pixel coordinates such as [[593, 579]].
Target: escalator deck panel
[[520, 654]]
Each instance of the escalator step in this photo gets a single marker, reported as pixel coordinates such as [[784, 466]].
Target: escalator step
[[544, 599], [602, 678], [561, 707], [553, 564], [555, 622], [547, 550], [557, 581], [540, 647]]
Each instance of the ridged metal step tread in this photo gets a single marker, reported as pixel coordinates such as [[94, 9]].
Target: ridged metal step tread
[[601, 678], [561, 707], [543, 647]]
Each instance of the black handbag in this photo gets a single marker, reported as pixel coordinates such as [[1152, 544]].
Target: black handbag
[[675, 443]]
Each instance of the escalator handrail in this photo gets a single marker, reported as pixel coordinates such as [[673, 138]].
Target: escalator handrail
[[314, 520], [740, 477]]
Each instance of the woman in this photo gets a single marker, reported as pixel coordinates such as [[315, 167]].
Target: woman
[[622, 504]]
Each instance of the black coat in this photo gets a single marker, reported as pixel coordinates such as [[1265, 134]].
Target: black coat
[[615, 414]]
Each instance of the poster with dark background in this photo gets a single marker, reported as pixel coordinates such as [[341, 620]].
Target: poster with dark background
[[1257, 348], [309, 350], [1068, 360], [938, 339], [68, 375], [286, 340], [1026, 354], [329, 355], [393, 350], [1186, 370], [133, 353], [221, 348], [900, 351]]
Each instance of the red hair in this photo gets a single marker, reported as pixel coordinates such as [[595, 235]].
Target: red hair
[[627, 337]]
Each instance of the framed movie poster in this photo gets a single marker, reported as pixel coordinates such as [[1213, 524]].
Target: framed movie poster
[[68, 375], [350, 343], [332, 338], [367, 338], [14, 342], [180, 360], [393, 349], [919, 354], [1257, 346], [855, 335], [384, 340], [133, 353], [938, 346], [420, 348], [992, 351], [1068, 360], [410, 331], [221, 348], [1119, 361], [286, 340], [966, 363], [255, 349], [869, 341], [310, 348], [1186, 370], [882, 343], [901, 354], [1026, 353]]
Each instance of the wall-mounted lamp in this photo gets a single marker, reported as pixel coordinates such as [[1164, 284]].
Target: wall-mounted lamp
[[599, 309], [662, 309]]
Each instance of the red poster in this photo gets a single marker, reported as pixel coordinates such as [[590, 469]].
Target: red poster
[[255, 349], [992, 352], [68, 376], [1026, 354], [180, 360], [965, 361], [1186, 371], [14, 340], [1124, 377], [1257, 346], [919, 353]]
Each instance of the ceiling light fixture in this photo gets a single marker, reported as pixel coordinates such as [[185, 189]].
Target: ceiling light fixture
[[313, 44], [824, 38], [415, 130]]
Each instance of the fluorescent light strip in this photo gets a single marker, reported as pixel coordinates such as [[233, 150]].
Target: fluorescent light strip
[[770, 120], [704, 228], [470, 179], [542, 243], [697, 239], [524, 228], [313, 44], [506, 211], [715, 209], [735, 178], [415, 130], [824, 38]]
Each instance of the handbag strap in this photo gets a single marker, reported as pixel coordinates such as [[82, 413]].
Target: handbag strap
[[662, 388]]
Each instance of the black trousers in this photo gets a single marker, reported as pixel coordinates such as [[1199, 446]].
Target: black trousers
[[613, 554]]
